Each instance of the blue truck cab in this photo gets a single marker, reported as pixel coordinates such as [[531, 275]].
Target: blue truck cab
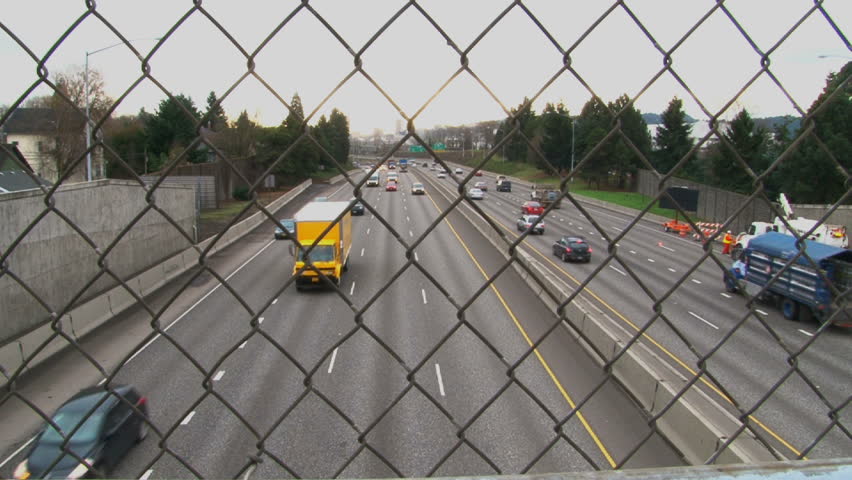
[[804, 285]]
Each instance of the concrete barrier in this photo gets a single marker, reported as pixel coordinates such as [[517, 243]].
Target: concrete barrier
[[695, 423], [95, 312]]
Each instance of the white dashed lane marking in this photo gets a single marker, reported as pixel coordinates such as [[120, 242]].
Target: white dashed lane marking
[[761, 312], [424, 295], [352, 290], [651, 260], [146, 475], [331, 363], [362, 252], [672, 270], [633, 252], [806, 333], [617, 270], [187, 418], [275, 301], [219, 375], [243, 345], [705, 321], [440, 380], [696, 281]]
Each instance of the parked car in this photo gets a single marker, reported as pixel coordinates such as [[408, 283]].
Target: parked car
[[390, 187], [289, 224], [442, 174], [531, 208], [573, 247], [481, 185], [102, 431], [417, 189], [526, 222], [357, 208], [477, 173], [475, 194]]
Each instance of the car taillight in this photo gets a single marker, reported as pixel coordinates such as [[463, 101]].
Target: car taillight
[[142, 401], [568, 250], [590, 249]]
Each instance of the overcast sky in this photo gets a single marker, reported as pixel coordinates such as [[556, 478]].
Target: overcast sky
[[411, 60]]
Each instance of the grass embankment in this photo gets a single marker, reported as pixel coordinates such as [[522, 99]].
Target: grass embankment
[[531, 174]]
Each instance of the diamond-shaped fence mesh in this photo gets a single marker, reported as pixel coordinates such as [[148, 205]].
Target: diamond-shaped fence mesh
[[467, 349]]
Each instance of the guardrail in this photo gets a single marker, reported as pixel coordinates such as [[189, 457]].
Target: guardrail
[[684, 414]]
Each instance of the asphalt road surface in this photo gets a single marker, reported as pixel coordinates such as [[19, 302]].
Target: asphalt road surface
[[418, 366]]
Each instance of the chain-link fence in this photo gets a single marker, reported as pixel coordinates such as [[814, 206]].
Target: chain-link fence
[[687, 376]]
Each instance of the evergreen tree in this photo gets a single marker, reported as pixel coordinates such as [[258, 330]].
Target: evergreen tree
[[216, 119], [811, 175], [673, 139], [556, 135], [623, 160], [593, 125], [172, 128], [339, 135], [749, 142]]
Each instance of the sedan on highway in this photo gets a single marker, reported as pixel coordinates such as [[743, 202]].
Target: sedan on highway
[[481, 185], [102, 427], [531, 208], [573, 247], [417, 189], [442, 174], [475, 194], [526, 223], [357, 208], [287, 223], [459, 171], [390, 187]]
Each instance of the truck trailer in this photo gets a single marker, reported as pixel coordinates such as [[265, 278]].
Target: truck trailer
[[330, 252], [802, 290]]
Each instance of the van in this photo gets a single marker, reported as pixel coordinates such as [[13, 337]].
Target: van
[[373, 181]]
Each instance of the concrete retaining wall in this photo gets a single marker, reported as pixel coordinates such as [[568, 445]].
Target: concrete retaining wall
[[98, 310], [56, 262], [695, 423]]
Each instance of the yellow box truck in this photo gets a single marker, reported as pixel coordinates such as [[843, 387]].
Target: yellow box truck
[[330, 255]]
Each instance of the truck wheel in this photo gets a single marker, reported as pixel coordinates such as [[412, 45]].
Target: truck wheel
[[790, 309], [736, 252]]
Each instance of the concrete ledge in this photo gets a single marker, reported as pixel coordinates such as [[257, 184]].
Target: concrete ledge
[[697, 424], [95, 312]]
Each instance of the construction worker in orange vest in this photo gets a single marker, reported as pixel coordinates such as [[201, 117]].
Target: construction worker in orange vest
[[726, 243]]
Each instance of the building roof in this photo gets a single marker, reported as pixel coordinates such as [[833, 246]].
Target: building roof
[[15, 172], [30, 120]]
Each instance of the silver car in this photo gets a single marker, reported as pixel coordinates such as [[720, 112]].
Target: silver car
[[475, 194], [526, 222]]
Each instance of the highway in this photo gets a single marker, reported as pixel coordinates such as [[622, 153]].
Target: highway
[[401, 373], [749, 360]]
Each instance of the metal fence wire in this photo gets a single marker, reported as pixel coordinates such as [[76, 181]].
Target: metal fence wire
[[700, 372]]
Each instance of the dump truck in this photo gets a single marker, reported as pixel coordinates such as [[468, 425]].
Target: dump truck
[[330, 252], [834, 235], [546, 194], [804, 289]]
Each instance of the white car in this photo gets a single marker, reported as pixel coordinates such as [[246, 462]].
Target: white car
[[475, 194], [526, 222], [459, 171], [442, 174]]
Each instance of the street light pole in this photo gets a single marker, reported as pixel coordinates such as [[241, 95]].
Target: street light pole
[[88, 117]]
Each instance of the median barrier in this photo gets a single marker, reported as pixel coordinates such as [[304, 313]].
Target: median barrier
[[695, 423], [98, 310]]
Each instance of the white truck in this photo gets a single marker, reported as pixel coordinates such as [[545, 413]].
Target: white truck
[[834, 235]]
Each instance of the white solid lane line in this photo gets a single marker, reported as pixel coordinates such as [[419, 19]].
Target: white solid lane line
[[424, 295], [705, 321], [617, 270], [352, 290], [199, 301], [187, 418], [16, 452], [331, 363], [219, 375], [146, 475], [440, 380], [806, 333]]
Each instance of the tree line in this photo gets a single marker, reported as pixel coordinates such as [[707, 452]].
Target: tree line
[[814, 155], [148, 142]]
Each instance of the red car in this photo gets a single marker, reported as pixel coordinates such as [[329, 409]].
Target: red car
[[477, 173], [532, 208], [391, 187]]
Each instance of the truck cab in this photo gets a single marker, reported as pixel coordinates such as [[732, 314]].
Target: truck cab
[[317, 253]]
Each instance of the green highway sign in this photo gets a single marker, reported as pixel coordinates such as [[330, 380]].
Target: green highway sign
[[416, 148]]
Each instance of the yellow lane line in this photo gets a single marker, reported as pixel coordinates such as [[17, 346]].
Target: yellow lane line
[[538, 355], [651, 339]]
